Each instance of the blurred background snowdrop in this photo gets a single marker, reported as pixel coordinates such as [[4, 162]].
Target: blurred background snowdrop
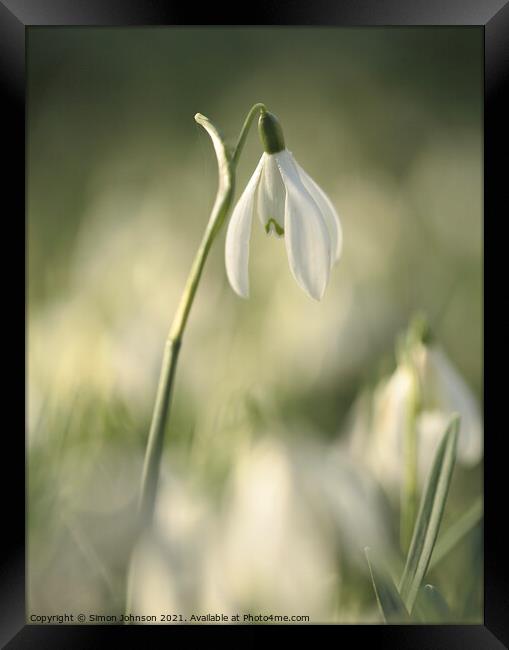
[[379, 419], [293, 516], [272, 556], [284, 440]]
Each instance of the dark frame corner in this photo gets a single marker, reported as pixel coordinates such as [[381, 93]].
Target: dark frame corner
[[490, 15]]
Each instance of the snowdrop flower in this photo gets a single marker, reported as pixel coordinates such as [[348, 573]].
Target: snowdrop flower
[[289, 203], [378, 427], [445, 392]]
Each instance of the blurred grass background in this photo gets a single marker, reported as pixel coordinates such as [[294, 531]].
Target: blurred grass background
[[120, 185]]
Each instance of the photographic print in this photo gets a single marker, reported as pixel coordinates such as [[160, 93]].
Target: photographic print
[[255, 367]]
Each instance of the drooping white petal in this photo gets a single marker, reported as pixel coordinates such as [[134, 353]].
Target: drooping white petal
[[271, 194], [328, 212], [238, 234], [306, 236]]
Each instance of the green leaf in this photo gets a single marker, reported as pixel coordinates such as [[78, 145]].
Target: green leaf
[[391, 606], [431, 606], [430, 516], [457, 531]]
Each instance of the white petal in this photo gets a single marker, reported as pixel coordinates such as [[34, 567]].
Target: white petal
[[328, 212], [238, 234], [306, 235], [271, 193], [456, 396]]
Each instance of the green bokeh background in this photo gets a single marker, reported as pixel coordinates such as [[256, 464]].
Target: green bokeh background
[[120, 184]]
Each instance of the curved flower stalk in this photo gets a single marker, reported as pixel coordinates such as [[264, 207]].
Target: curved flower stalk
[[289, 204], [312, 249], [226, 162]]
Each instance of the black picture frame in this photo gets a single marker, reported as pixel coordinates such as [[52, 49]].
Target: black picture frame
[[492, 16]]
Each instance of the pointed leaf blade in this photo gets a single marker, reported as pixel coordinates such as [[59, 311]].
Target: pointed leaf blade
[[431, 606], [457, 532], [391, 606], [430, 516]]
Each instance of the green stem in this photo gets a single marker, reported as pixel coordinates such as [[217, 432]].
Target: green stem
[[257, 108], [227, 164], [410, 479], [154, 448]]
